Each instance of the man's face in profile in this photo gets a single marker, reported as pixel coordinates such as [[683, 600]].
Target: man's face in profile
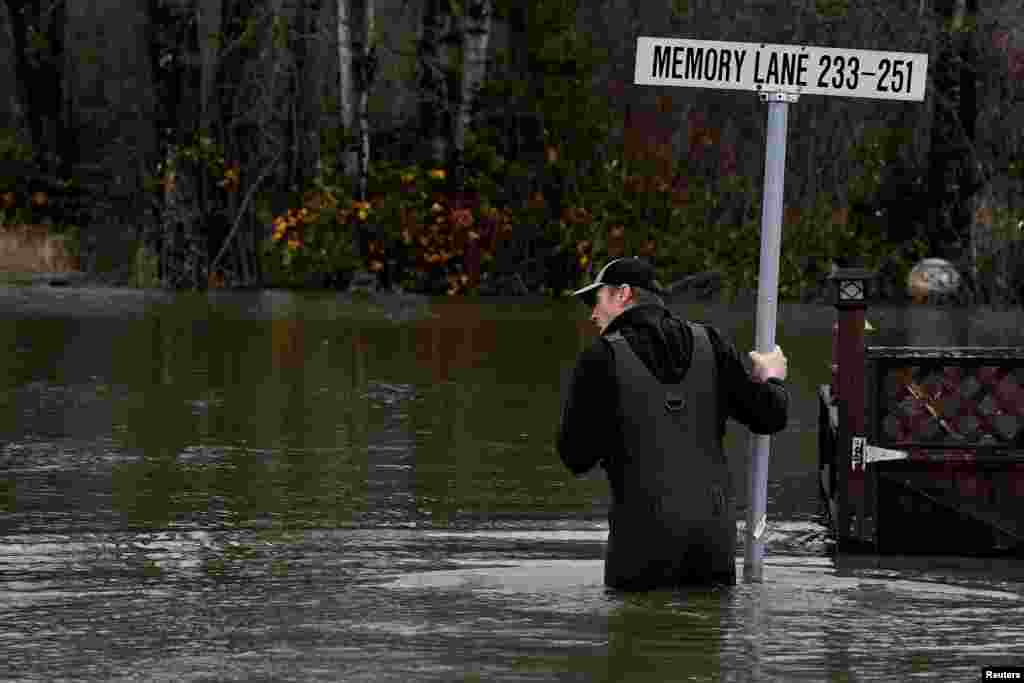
[[607, 305]]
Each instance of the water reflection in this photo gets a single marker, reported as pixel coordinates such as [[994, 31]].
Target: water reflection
[[656, 636], [926, 325]]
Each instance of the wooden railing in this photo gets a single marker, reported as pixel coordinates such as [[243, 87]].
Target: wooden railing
[[941, 399], [949, 423]]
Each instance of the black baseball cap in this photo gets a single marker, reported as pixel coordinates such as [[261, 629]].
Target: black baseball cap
[[622, 271]]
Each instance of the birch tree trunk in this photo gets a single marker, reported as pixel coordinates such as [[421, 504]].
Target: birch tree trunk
[[365, 48], [475, 25], [346, 77], [356, 69]]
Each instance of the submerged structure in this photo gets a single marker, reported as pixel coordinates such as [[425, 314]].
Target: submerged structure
[[921, 449]]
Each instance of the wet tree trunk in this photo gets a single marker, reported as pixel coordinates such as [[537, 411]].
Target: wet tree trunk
[[525, 125], [435, 80], [111, 106], [37, 30], [209, 20], [268, 122], [306, 37], [210, 15], [12, 114], [953, 163]]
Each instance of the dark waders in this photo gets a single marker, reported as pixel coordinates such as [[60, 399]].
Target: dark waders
[[673, 520]]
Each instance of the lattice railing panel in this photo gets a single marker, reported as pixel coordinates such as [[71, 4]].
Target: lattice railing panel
[[952, 401]]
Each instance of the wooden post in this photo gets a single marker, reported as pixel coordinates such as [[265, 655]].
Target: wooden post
[[851, 379], [850, 302]]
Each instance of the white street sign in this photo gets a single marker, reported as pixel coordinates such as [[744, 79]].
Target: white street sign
[[793, 69]]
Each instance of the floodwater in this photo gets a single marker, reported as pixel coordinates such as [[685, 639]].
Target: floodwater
[[269, 486]]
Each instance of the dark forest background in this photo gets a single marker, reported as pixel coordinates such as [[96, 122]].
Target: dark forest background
[[497, 145]]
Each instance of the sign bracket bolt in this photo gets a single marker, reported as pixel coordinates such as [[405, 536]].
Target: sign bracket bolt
[[787, 97]]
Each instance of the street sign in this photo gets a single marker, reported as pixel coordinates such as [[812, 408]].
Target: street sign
[[791, 69]]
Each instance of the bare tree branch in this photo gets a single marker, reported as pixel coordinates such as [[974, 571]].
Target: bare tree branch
[[242, 210]]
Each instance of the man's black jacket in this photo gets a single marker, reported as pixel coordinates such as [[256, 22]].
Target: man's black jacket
[[590, 428]]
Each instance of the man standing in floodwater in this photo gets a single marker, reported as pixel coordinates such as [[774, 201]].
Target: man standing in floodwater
[[648, 401]]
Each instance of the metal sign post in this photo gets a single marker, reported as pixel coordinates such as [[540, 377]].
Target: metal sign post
[[767, 311], [780, 73]]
